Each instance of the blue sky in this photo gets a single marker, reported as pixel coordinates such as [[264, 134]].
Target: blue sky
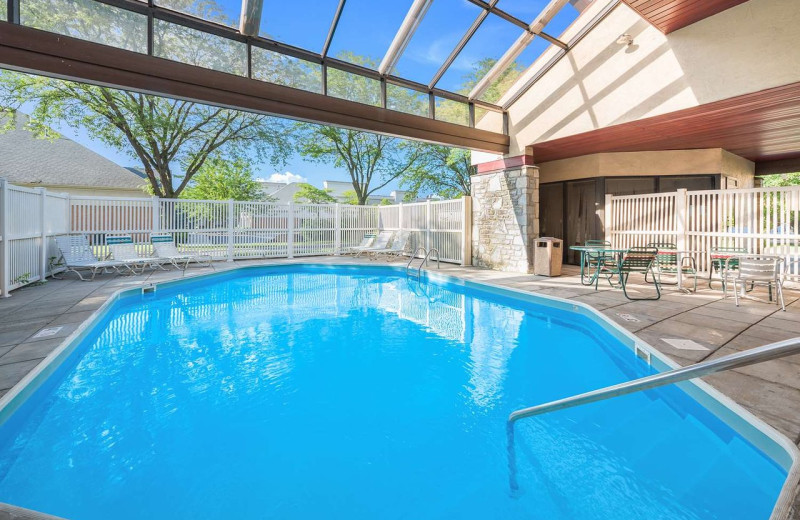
[[367, 28]]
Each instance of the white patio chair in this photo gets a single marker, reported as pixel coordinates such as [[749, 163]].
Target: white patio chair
[[366, 243], [761, 270], [396, 250], [124, 250], [165, 249], [78, 256], [380, 243]]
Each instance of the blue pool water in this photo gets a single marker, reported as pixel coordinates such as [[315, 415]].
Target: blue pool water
[[320, 393]]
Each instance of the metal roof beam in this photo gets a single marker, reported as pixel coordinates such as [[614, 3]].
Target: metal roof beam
[[412, 20], [332, 30]]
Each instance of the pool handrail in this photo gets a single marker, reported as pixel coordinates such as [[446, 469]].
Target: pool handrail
[[748, 357]]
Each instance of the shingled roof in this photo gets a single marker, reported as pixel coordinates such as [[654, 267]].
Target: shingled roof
[[24, 159]]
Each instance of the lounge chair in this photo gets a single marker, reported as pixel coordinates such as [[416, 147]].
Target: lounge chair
[[380, 243], [366, 243], [123, 250], [165, 249], [78, 256], [396, 250]]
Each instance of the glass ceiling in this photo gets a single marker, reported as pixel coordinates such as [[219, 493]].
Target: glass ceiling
[[291, 41]]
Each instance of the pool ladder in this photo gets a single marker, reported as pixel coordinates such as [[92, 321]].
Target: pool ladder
[[426, 255], [740, 359]]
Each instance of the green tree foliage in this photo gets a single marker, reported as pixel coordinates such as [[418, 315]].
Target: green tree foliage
[[498, 87], [385, 202], [221, 179], [447, 173], [371, 160], [781, 179], [313, 195], [164, 135], [350, 197]]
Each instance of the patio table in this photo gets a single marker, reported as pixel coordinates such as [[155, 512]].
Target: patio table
[[585, 250]]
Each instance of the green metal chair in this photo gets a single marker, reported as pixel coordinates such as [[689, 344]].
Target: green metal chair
[[667, 263], [720, 257], [593, 262], [636, 260]]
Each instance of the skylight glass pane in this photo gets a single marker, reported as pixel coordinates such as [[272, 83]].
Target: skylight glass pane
[[301, 23], [354, 87], [179, 43], [561, 21], [286, 70], [490, 42], [87, 20], [406, 100], [452, 111], [444, 25], [365, 31], [503, 83], [224, 12], [489, 120], [525, 10]]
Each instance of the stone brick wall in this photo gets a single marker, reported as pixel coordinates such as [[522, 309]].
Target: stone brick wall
[[505, 218]]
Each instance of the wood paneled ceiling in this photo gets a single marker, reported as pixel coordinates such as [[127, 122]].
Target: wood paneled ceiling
[[762, 126], [671, 15]]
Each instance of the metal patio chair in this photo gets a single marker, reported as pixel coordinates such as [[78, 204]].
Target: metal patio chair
[[593, 261], [636, 260], [721, 257], [667, 263]]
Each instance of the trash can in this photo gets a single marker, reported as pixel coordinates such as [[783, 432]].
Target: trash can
[[547, 256]]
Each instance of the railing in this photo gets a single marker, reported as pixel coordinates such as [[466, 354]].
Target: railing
[[226, 230], [740, 359], [761, 220]]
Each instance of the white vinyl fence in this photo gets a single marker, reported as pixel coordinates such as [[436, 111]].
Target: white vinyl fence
[[227, 230], [761, 220]]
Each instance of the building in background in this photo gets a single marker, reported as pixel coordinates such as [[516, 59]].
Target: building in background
[[283, 193]]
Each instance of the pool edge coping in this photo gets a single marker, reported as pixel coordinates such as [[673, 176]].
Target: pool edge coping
[[723, 407]]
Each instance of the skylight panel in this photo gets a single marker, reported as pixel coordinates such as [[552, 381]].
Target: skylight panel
[[223, 12], [300, 23], [366, 30]]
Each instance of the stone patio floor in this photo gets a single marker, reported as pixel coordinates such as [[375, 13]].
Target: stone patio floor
[[714, 326]]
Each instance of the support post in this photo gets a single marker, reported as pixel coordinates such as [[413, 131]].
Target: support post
[[681, 218], [43, 235], [231, 230], [156, 214], [5, 245], [466, 231], [337, 231], [608, 218], [290, 231]]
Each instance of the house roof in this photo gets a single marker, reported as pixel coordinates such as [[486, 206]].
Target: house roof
[[24, 159]]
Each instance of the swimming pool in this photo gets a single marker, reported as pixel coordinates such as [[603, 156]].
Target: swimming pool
[[341, 392]]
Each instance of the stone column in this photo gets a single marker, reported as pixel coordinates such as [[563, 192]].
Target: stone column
[[505, 218]]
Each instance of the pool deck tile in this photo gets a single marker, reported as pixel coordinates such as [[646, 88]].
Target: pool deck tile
[[715, 326]]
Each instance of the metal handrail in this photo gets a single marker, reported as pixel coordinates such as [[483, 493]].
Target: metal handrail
[[740, 359], [414, 255], [425, 261]]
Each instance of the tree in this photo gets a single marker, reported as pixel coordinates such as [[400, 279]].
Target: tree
[[371, 160], [220, 179], [781, 179], [163, 134], [313, 195], [447, 173], [351, 198], [385, 202]]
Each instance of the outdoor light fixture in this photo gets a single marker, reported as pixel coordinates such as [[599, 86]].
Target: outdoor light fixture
[[625, 39]]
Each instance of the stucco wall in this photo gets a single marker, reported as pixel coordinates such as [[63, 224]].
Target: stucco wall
[[599, 83], [669, 162], [505, 209]]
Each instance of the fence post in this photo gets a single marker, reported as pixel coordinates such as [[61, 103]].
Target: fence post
[[156, 214], [608, 218], [5, 245], [337, 231], [290, 231], [681, 205], [43, 235], [428, 224], [231, 230], [466, 230]]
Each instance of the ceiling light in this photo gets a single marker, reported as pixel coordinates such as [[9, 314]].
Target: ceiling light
[[625, 39]]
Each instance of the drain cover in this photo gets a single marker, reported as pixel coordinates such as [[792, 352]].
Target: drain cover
[[44, 333], [628, 317]]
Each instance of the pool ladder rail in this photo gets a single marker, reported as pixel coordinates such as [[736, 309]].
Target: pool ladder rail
[[426, 255], [740, 359]]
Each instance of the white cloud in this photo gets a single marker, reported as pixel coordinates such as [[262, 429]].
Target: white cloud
[[286, 178]]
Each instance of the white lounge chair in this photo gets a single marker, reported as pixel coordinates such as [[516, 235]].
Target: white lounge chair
[[763, 270], [165, 249], [366, 243], [397, 249], [123, 250], [78, 256], [380, 243]]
